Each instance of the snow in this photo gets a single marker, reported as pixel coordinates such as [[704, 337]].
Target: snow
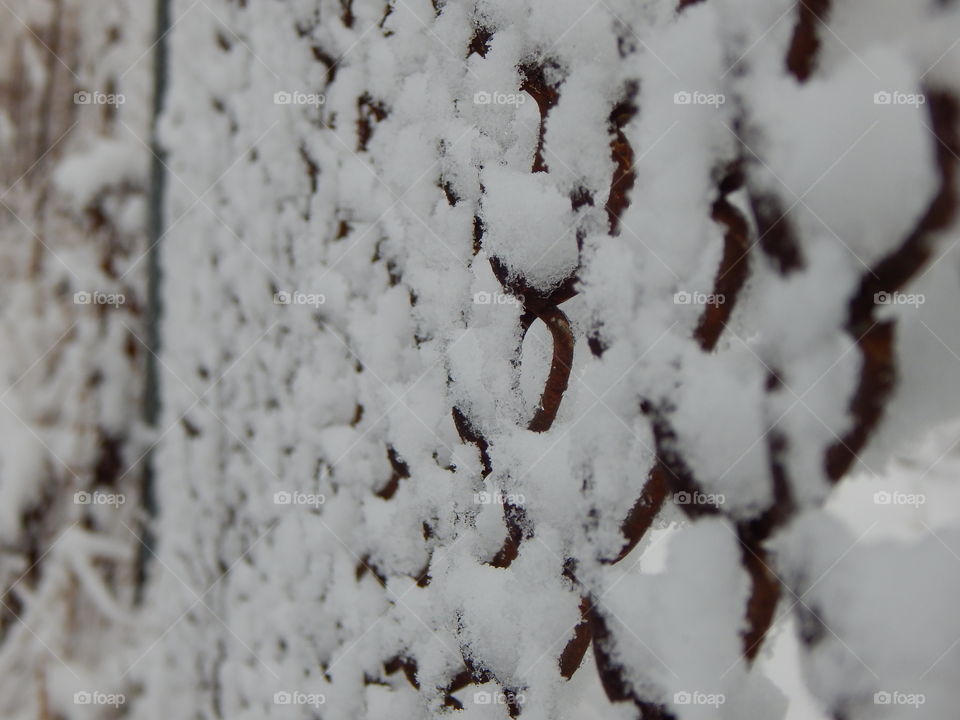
[[529, 226], [818, 160], [677, 642], [108, 162]]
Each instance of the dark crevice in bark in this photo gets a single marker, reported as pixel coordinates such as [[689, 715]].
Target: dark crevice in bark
[[876, 340]]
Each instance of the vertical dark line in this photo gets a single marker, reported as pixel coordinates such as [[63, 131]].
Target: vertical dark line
[[155, 224], [156, 203]]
